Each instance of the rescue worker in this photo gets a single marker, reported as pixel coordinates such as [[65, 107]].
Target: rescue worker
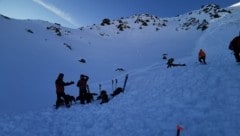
[[202, 56], [83, 88], [103, 97], [171, 64], [60, 84]]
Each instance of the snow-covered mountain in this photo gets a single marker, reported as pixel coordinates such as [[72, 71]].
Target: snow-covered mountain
[[201, 98]]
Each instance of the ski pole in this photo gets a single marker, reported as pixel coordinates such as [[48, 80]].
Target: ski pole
[[125, 82], [179, 129], [116, 81], [100, 87], [112, 84]]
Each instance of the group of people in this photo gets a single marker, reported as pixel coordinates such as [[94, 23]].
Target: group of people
[[84, 92], [84, 89]]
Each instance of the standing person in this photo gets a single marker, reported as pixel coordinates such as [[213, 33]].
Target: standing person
[[83, 88], [201, 56], [235, 47], [59, 83]]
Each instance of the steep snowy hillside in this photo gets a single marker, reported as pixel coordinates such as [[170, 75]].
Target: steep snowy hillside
[[203, 99], [30, 55]]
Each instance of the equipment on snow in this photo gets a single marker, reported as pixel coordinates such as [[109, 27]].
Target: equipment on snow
[[112, 84], [100, 87], [116, 82], [119, 90], [164, 56], [125, 82]]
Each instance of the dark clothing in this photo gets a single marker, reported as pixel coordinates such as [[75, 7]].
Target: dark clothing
[[202, 56], [59, 100], [202, 60], [117, 91], [103, 96], [83, 88], [235, 47], [171, 64], [87, 97], [59, 83], [237, 56]]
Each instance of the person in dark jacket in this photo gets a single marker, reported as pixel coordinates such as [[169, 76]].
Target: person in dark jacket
[[103, 97], [171, 64], [60, 84], [235, 47], [83, 88]]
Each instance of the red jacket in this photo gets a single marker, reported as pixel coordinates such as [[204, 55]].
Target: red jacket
[[59, 83], [201, 53], [82, 84]]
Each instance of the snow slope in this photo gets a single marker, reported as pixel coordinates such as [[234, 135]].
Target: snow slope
[[203, 99]]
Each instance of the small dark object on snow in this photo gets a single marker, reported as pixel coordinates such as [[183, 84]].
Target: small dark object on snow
[[30, 31], [164, 56], [119, 69], [82, 60], [117, 91], [68, 46]]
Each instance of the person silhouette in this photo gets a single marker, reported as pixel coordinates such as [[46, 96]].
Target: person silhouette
[[60, 90]]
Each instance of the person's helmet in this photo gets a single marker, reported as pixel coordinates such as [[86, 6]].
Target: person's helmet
[[61, 75]]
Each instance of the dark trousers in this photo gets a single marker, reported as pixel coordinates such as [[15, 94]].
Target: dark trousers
[[202, 60], [82, 95], [61, 101], [237, 56]]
